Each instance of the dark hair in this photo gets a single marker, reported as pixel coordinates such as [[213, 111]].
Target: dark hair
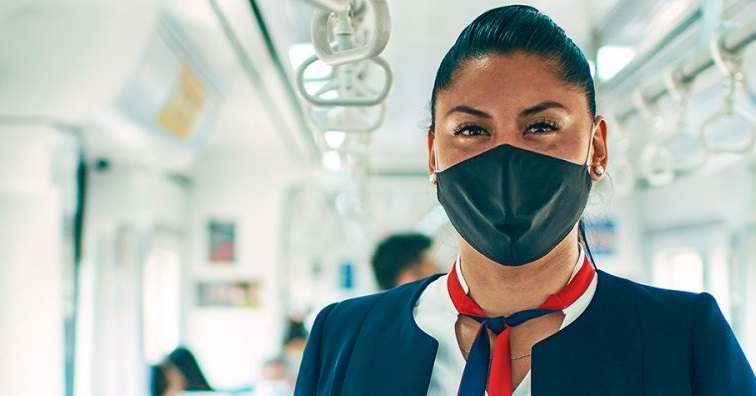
[[510, 29], [185, 362], [395, 253], [295, 331], [158, 381]]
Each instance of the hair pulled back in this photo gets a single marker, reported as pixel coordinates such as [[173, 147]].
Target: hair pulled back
[[516, 28]]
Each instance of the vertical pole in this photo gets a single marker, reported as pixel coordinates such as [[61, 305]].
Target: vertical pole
[[712, 19], [31, 334]]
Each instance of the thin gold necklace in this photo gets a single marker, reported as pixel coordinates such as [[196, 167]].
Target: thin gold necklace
[[467, 352]]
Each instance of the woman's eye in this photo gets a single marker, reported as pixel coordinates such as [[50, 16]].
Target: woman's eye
[[469, 130], [542, 127]]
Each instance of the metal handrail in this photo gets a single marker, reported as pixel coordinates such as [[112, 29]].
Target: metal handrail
[[732, 42]]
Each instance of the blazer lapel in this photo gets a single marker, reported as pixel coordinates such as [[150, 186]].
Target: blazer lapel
[[600, 353], [393, 356]]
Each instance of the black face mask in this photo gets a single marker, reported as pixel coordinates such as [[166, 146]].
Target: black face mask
[[513, 205]]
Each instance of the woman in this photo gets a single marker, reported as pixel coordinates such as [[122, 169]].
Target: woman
[[514, 147], [179, 372]]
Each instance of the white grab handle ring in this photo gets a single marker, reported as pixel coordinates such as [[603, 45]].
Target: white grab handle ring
[[365, 96], [622, 176], [642, 105], [734, 112], [730, 64], [678, 89], [375, 43], [347, 126], [353, 142], [656, 165]]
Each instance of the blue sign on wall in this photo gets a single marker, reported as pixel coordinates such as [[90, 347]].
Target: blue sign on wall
[[346, 275], [602, 236]]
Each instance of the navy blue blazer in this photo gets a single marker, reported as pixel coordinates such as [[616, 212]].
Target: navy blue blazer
[[631, 340]]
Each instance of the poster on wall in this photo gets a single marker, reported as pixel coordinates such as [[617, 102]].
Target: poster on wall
[[602, 236], [222, 241], [232, 294]]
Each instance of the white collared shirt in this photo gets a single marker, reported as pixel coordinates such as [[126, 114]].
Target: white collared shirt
[[436, 315]]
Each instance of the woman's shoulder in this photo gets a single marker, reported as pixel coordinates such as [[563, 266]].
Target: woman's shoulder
[[661, 301], [647, 291], [388, 302], [685, 330]]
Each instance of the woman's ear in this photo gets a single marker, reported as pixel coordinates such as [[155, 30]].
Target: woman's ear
[[599, 150], [431, 153]]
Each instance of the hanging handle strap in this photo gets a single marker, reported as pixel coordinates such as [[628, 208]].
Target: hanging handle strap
[[347, 50], [730, 64], [356, 92]]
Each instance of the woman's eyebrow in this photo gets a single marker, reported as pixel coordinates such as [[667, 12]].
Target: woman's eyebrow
[[526, 112], [469, 110], [541, 107]]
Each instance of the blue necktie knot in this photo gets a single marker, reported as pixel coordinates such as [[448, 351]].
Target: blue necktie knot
[[497, 324]]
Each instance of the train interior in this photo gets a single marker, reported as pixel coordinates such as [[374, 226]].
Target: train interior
[[210, 173]]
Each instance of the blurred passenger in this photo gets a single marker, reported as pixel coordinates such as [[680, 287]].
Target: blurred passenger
[[403, 258], [158, 381], [514, 146], [294, 342], [275, 379], [177, 373]]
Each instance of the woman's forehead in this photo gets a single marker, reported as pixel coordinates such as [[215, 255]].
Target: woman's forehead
[[498, 69], [513, 80]]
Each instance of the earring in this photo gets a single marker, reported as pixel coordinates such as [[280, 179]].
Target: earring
[[599, 169], [433, 179]]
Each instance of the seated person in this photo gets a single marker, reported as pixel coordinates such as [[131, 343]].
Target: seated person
[[177, 373], [274, 379]]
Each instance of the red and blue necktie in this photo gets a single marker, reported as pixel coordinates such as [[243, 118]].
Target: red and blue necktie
[[475, 376]]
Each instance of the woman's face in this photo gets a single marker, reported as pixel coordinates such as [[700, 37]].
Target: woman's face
[[514, 99], [176, 380]]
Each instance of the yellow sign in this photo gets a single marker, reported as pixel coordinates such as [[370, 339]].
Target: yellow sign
[[184, 106]]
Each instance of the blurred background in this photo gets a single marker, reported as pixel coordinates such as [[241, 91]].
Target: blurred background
[[190, 174]]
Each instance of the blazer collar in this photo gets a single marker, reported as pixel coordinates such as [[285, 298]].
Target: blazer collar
[[608, 328], [397, 365]]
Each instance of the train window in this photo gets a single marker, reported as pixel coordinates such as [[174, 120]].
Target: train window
[[161, 301], [695, 260], [680, 269]]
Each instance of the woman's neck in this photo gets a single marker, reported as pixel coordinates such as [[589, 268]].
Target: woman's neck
[[503, 290]]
